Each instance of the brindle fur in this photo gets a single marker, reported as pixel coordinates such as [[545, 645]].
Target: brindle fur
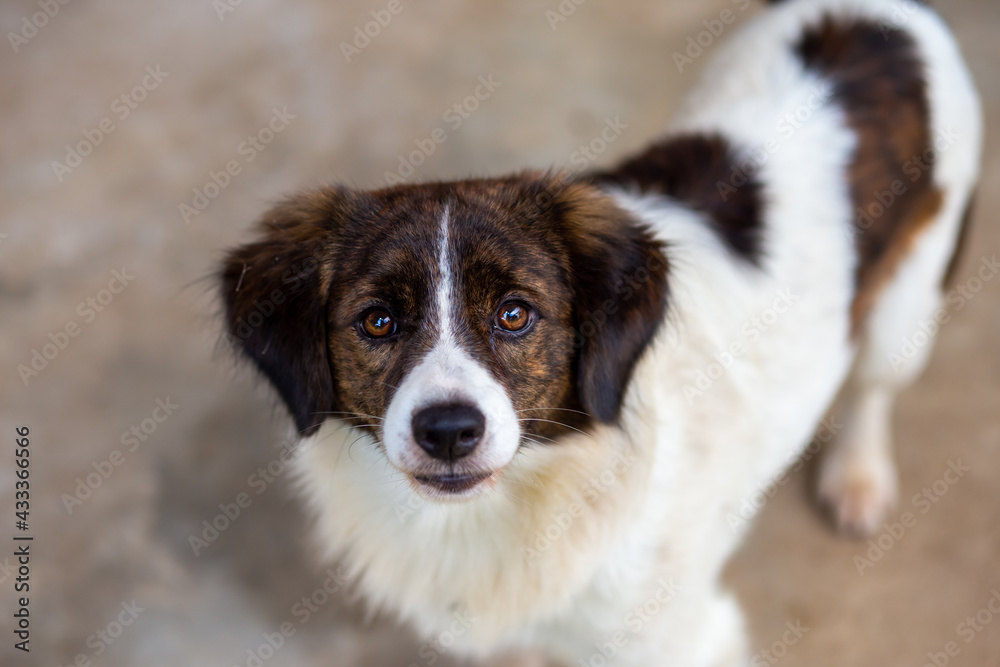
[[879, 81]]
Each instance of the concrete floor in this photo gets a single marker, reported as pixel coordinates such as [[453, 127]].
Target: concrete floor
[[64, 231]]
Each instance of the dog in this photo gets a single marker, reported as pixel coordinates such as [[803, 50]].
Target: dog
[[530, 407]]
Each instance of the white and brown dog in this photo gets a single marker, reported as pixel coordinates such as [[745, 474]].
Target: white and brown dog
[[537, 401]]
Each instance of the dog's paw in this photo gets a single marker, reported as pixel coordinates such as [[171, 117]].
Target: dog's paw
[[859, 490]]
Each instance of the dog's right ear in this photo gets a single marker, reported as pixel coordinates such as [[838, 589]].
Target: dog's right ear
[[276, 293]]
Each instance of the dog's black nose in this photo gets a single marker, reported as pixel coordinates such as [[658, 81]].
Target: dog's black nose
[[448, 432]]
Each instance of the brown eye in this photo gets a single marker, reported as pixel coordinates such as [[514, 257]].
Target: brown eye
[[513, 317], [378, 323]]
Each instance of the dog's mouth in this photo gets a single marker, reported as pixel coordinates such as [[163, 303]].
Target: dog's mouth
[[454, 484]]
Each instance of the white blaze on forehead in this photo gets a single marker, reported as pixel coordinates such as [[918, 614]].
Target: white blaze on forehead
[[445, 279], [448, 373]]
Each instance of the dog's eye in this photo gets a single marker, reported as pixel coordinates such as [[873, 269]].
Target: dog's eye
[[513, 317], [378, 323]]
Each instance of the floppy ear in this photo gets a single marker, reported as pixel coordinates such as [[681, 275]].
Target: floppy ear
[[618, 273], [275, 292]]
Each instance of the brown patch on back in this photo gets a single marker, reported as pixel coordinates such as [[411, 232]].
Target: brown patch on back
[[878, 79], [879, 273], [698, 170]]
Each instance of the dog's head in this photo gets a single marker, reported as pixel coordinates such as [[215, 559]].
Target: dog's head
[[453, 322]]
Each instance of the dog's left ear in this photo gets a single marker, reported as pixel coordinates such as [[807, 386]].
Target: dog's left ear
[[276, 296], [618, 272]]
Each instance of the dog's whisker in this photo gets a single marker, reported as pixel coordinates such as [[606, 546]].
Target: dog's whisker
[[551, 421], [361, 436], [536, 435], [579, 412], [509, 494], [527, 485], [394, 476]]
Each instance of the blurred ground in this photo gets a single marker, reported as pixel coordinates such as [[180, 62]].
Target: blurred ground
[[64, 231]]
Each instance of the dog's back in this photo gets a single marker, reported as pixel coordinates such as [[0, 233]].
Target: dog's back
[[832, 147], [812, 193]]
